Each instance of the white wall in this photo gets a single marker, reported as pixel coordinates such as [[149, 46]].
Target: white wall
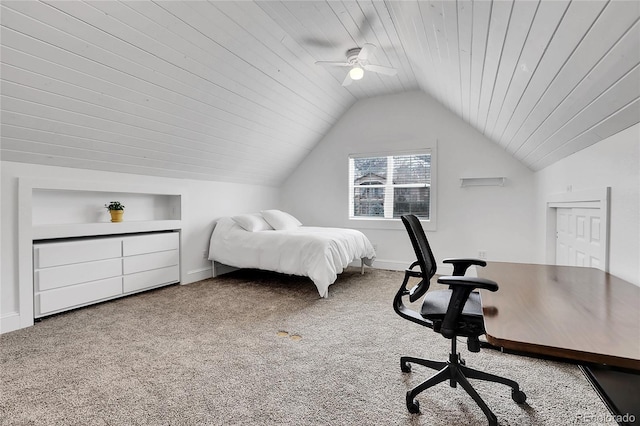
[[613, 162], [498, 220], [203, 202]]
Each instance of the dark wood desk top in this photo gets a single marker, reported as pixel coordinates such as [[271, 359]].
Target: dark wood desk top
[[582, 314]]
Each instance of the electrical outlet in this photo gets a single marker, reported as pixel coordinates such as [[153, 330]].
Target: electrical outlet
[[204, 254], [375, 247], [482, 254]]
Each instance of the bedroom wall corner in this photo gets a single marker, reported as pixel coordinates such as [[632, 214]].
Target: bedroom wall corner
[[497, 220], [613, 162]]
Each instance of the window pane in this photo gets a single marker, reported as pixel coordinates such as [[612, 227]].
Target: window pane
[[370, 170], [368, 202], [411, 201], [387, 187], [412, 169]]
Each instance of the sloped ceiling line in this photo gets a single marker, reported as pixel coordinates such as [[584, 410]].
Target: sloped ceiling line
[[230, 90]]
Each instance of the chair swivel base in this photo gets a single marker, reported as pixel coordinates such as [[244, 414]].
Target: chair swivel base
[[456, 372]]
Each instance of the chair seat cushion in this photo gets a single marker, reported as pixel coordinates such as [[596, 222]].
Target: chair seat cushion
[[435, 304], [469, 324]]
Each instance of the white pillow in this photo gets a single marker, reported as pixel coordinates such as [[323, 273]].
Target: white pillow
[[280, 220], [252, 222]]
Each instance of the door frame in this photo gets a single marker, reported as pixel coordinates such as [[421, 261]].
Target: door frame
[[596, 198]]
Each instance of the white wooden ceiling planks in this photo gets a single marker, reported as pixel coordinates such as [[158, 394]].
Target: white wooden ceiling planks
[[577, 20], [230, 90]]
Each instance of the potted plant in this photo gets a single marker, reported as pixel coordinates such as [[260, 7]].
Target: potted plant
[[116, 209]]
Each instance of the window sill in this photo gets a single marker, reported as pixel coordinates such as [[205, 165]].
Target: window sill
[[396, 224]]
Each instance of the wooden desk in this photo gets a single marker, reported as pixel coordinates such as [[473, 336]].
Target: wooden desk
[[582, 314]]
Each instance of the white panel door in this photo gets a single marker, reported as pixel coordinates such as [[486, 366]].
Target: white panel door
[[578, 241]]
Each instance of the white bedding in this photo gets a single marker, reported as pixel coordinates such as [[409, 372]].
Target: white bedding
[[318, 253]]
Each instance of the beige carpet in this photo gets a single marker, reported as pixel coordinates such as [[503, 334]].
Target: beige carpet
[[256, 348]]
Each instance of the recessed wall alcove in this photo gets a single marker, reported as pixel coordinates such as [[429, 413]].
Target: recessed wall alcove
[[56, 209]]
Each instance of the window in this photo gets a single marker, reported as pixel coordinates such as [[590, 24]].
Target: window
[[389, 186]]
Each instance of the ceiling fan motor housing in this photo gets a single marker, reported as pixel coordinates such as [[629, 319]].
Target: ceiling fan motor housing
[[352, 55]]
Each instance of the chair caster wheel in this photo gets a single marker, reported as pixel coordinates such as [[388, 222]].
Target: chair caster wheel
[[412, 405], [405, 367], [518, 396]]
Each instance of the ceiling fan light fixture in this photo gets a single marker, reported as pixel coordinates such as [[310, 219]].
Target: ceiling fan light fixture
[[358, 62], [356, 73]]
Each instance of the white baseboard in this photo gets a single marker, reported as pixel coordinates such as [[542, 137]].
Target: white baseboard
[[197, 275], [9, 322]]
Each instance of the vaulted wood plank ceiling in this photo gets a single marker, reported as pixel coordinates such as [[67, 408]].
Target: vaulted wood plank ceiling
[[230, 90]]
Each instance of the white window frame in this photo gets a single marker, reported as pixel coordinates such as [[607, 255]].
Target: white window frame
[[390, 222]]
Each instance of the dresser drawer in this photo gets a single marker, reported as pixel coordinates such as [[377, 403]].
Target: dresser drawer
[[77, 295], [141, 244], [55, 254], [146, 279], [146, 262], [61, 276], [74, 273]]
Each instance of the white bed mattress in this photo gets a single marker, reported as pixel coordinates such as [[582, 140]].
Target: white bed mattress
[[315, 252]]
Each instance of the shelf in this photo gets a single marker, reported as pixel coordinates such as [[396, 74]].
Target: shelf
[[482, 181], [44, 232]]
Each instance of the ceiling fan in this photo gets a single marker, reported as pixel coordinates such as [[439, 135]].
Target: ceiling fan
[[358, 60]]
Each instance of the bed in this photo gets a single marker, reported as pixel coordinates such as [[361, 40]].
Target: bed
[[273, 240]]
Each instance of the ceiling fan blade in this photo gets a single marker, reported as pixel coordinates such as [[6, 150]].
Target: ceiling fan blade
[[347, 81], [333, 63], [366, 51], [380, 69], [314, 42]]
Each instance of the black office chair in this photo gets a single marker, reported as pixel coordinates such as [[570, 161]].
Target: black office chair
[[455, 312]]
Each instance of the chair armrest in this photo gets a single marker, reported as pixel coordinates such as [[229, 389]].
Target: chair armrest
[[460, 265], [461, 288], [470, 282]]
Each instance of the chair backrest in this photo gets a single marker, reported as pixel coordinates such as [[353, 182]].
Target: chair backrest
[[424, 255]]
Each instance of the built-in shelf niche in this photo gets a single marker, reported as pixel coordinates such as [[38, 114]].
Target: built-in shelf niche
[[63, 207], [482, 181]]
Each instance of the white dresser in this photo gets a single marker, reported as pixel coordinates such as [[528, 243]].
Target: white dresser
[[78, 272]]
